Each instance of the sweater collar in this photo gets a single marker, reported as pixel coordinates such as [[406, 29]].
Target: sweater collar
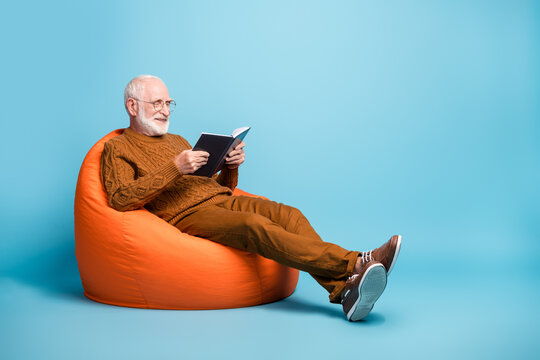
[[133, 134]]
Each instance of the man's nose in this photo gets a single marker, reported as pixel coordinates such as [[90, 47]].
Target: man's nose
[[165, 110]]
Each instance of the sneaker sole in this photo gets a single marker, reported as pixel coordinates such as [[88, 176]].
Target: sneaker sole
[[398, 247], [370, 289]]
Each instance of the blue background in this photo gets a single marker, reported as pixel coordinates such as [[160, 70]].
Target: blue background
[[373, 117]]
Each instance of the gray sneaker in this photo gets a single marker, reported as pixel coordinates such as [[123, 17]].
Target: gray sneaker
[[362, 290]]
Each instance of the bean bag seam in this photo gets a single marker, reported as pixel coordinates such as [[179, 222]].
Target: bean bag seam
[[130, 254], [258, 274]]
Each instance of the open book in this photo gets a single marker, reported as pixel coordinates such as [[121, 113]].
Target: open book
[[218, 146]]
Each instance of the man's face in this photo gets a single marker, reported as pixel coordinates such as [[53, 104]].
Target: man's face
[[153, 122]]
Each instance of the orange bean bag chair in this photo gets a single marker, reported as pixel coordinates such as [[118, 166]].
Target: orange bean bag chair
[[136, 259]]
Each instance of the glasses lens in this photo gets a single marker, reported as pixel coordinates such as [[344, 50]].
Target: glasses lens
[[172, 105], [158, 105]]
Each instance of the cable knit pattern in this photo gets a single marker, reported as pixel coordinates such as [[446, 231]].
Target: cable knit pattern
[[138, 171]]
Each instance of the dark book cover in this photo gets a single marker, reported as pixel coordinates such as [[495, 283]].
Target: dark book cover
[[218, 146]]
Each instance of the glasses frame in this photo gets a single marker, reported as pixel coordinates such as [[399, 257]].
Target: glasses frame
[[158, 107]]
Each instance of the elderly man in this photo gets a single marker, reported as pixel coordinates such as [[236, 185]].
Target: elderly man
[[148, 167]]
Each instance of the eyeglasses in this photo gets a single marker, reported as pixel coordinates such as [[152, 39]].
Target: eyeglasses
[[158, 104]]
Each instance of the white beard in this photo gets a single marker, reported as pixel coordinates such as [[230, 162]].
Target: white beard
[[150, 126]]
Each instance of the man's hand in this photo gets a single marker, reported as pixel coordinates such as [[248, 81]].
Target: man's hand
[[236, 157], [189, 161]]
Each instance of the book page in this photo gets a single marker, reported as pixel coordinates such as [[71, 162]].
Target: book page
[[206, 133], [238, 131]]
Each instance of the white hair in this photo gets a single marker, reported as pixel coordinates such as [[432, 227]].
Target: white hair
[[134, 87]]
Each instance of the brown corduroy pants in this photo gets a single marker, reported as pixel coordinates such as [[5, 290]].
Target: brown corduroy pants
[[275, 231]]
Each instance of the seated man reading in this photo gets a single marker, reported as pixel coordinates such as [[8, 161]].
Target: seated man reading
[[148, 167]]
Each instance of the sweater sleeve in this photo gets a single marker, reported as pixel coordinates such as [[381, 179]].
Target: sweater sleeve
[[125, 191], [227, 177]]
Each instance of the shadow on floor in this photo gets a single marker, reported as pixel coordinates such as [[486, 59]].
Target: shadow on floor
[[299, 305], [54, 271]]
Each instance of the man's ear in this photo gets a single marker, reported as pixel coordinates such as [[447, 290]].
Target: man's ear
[[132, 107]]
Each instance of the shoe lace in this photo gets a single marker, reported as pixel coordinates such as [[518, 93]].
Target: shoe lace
[[367, 256], [346, 292]]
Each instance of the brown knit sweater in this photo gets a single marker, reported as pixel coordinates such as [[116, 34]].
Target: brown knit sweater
[[138, 171]]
